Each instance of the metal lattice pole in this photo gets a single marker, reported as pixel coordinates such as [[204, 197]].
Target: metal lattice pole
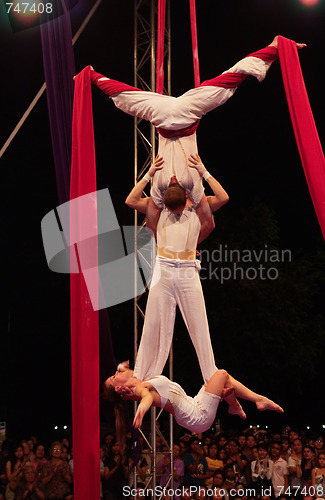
[[145, 21]]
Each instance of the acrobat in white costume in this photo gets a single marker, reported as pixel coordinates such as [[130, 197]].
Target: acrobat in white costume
[[176, 118], [196, 414], [175, 279]]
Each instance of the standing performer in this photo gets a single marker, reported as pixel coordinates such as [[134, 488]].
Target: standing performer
[[175, 280], [196, 414], [177, 119]]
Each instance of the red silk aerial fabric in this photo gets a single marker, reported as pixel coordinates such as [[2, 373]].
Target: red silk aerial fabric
[[195, 48], [160, 46], [84, 320], [309, 146]]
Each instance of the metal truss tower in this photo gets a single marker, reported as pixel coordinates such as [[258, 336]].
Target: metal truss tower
[[145, 145]]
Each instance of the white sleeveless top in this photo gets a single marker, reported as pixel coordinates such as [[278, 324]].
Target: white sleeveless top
[[177, 235]]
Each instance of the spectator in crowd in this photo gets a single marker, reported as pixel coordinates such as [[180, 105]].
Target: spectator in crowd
[[213, 463], [317, 476], [102, 458], [237, 460], [285, 447], [240, 492], [262, 470], [28, 487], [293, 434], [14, 471], [39, 461], [220, 491], [57, 477], [163, 469], [319, 444], [241, 438], [280, 480], [307, 465], [295, 472], [196, 467], [230, 477], [28, 453], [116, 473], [222, 456], [247, 450], [221, 440], [4, 456]]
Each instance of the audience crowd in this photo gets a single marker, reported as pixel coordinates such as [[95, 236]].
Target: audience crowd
[[248, 465]]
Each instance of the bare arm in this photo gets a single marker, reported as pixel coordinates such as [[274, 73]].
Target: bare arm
[[135, 199], [144, 405], [220, 196]]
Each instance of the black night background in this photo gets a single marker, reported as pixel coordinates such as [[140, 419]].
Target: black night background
[[268, 333]]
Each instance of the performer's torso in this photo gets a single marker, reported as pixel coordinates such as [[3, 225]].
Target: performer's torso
[[177, 235]]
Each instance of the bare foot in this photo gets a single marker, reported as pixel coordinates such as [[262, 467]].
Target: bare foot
[[235, 408], [266, 404], [276, 39]]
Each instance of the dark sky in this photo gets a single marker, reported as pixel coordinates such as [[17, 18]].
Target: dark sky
[[249, 143]]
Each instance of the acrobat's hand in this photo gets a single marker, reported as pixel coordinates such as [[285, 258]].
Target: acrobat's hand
[[276, 39], [156, 165], [141, 410], [195, 161], [91, 68], [125, 393]]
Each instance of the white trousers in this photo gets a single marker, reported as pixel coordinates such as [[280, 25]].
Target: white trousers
[[174, 113], [174, 283]]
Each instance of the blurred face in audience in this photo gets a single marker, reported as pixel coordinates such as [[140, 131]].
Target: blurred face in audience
[[213, 450], [30, 474], [292, 436], [218, 480], [319, 443], [275, 451], [19, 452], [242, 441], [26, 448], [222, 455], [297, 446], [250, 441], [176, 451], [40, 451]]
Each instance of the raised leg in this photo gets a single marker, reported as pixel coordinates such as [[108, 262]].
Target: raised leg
[[233, 389]]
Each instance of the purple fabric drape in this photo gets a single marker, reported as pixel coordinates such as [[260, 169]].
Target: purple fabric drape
[[59, 69]]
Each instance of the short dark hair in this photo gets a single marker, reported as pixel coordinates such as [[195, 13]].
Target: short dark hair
[[175, 197], [194, 439], [263, 445]]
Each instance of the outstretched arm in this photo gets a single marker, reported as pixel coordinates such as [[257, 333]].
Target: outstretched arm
[[220, 197], [144, 405], [135, 199]]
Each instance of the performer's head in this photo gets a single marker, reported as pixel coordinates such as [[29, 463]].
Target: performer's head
[[121, 377], [175, 199]]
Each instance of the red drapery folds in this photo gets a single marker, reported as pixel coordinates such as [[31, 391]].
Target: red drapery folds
[[195, 49], [84, 320], [160, 46], [309, 146]]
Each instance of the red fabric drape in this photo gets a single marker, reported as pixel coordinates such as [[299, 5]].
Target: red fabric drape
[[309, 146], [84, 320], [195, 50], [160, 46]]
